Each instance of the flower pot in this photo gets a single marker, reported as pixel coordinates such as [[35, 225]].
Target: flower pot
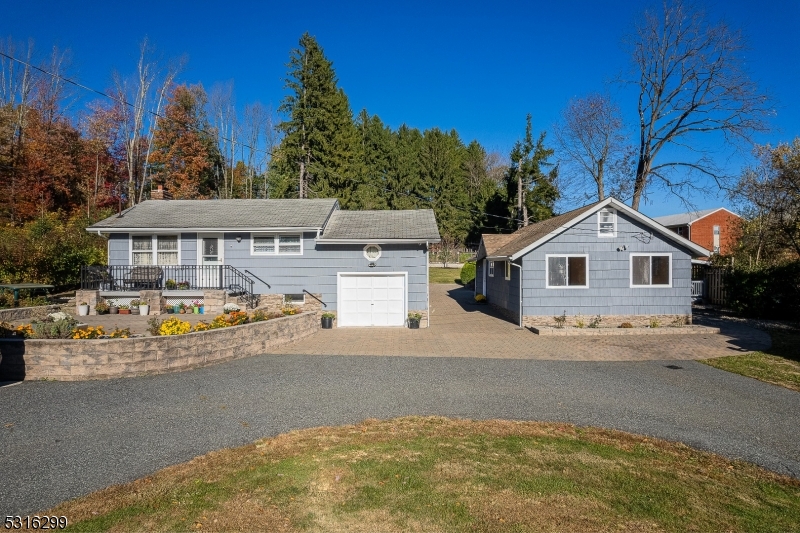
[[176, 308], [114, 310], [144, 309], [196, 310], [134, 310], [200, 310], [83, 310], [413, 323], [124, 311], [327, 322], [183, 311]]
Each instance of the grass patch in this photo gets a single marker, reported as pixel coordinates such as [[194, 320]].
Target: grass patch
[[436, 474], [444, 275], [780, 365]]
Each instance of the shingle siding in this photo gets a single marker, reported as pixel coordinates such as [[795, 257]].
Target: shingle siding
[[502, 292], [609, 291]]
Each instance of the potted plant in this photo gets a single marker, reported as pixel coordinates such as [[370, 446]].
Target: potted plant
[[176, 308], [170, 285], [196, 306], [102, 307], [83, 309], [144, 307], [124, 310], [182, 308], [327, 320], [413, 320], [113, 309], [134, 307], [183, 285]]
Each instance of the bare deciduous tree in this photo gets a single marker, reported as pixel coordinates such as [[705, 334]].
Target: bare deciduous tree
[[691, 81], [594, 153], [145, 93]]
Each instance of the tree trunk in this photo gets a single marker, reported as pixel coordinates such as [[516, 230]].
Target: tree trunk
[[642, 172]]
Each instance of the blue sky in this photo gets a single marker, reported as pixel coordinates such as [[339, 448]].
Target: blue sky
[[477, 67]]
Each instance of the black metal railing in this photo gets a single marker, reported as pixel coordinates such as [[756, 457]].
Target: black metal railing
[[317, 299], [168, 277]]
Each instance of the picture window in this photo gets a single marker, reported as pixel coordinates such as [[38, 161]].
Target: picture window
[[565, 271]]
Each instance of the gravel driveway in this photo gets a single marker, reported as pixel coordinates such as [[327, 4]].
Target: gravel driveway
[[60, 440]]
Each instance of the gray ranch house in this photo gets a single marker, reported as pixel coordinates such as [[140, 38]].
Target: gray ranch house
[[370, 267], [601, 259]]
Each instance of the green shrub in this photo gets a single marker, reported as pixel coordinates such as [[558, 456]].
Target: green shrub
[[766, 292], [467, 273], [54, 329]]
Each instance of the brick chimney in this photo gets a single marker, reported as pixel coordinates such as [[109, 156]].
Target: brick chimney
[[160, 194]]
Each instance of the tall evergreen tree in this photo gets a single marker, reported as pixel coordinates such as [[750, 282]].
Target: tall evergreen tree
[[534, 191], [318, 155], [375, 150]]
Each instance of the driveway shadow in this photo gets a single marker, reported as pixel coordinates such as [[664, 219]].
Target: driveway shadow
[[465, 298], [742, 338]]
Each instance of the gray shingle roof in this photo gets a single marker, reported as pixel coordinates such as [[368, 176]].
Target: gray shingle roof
[[526, 236], [222, 214], [683, 218], [419, 224]]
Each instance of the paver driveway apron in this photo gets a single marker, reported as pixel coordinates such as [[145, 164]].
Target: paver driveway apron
[[460, 328]]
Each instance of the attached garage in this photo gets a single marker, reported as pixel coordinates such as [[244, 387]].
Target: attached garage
[[372, 299]]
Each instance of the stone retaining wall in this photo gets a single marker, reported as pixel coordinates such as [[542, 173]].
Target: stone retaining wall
[[26, 313], [76, 360], [609, 321]]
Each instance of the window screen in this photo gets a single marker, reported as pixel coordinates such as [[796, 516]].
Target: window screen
[[167, 249], [650, 269], [289, 244], [606, 223], [264, 245]]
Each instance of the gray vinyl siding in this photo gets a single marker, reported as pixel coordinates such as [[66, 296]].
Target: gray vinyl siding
[[609, 291], [315, 271], [118, 249], [502, 292]]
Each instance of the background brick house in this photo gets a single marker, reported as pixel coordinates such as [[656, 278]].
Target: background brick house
[[715, 229]]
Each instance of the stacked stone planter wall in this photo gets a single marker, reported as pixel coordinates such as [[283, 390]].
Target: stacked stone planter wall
[[75, 360], [27, 313]]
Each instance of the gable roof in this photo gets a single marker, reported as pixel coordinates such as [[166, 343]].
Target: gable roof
[[491, 242], [526, 239], [682, 219], [220, 215], [417, 225]]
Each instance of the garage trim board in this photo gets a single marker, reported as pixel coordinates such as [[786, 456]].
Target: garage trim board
[[372, 299]]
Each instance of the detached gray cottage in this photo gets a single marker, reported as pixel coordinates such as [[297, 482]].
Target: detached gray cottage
[[601, 259], [371, 267]]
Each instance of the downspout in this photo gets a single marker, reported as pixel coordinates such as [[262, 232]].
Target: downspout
[[427, 283], [520, 292]]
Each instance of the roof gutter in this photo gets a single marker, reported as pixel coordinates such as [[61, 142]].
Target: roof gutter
[[376, 241], [200, 230]]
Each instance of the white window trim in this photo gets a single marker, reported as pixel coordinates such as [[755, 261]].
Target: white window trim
[[276, 237], [547, 272], [154, 246], [220, 240], [651, 286], [507, 265], [613, 218], [380, 252], [491, 269]]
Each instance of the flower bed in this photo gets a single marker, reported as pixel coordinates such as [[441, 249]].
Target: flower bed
[[568, 331], [77, 359]]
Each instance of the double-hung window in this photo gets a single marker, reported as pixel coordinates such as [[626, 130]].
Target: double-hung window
[[276, 244], [567, 271], [154, 249], [651, 270], [491, 269], [508, 269], [607, 223]]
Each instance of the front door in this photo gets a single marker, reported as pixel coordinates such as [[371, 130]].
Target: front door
[[210, 260]]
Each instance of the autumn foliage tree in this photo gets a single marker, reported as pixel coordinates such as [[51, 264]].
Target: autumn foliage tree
[[185, 157]]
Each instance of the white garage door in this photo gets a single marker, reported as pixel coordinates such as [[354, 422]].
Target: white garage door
[[372, 300]]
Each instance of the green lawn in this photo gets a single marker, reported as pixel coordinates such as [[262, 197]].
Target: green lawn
[[779, 365], [444, 275], [436, 474]]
